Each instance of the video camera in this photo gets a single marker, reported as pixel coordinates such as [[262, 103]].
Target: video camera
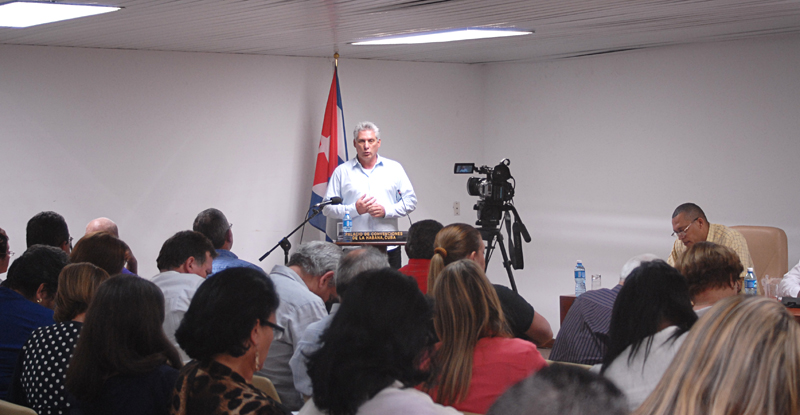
[[494, 191]]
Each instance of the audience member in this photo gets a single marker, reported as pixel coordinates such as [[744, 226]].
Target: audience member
[[26, 303], [459, 241], [48, 228], [185, 260], [229, 325], [5, 251], [419, 249], [790, 284], [690, 226], [583, 335], [304, 286], [215, 226], [741, 358], [42, 367], [371, 354], [562, 390], [123, 362], [350, 265], [102, 249], [108, 225], [648, 324], [476, 359], [713, 273]]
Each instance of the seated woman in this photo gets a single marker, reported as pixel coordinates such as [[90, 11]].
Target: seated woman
[[461, 241], [372, 352], [39, 378], [227, 331], [123, 363], [477, 358], [102, 249], [651, 315], [713, 273], [741, 358]]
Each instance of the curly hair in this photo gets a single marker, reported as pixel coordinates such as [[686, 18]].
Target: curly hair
[[707, 265]]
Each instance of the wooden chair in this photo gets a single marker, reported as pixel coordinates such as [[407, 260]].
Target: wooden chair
[[582, 366], [8, 408], [769, 250], [265, 385]]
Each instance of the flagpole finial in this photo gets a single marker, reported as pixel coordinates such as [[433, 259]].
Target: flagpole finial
[[336, 59]]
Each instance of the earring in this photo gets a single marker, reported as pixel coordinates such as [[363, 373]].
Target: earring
[[39, 300], [256, 365]]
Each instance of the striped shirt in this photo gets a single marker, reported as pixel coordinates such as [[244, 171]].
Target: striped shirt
[[584, 332], [720, 235]]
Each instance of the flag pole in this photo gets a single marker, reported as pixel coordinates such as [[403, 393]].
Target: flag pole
[[336, 59]]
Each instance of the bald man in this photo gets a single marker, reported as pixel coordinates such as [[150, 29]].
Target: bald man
[[108, 225]]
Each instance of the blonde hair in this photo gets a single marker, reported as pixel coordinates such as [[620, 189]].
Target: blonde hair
[[467, 309], [741, 358], [452, 243], [77, 284]]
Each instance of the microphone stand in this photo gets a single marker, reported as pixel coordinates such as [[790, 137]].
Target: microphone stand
[[285, 244]]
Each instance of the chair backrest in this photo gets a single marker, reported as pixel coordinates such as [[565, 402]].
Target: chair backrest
[[266, 386], [8, 408], [769, 249]]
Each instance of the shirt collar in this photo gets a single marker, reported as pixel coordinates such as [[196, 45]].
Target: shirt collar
[[356, 163]]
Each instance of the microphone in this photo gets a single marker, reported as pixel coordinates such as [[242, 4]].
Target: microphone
[[336, 200], [404, 206]]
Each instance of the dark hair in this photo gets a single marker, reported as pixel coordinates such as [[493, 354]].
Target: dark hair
[[122, 335], [39, 264], [420, 239], [181, 246], [355, 262], [654, 293], [691, 210], [560, 389], [379, 335], [224, 311], [213, 224], [47, 228], [102, 249], [3, 244], [77, 285]]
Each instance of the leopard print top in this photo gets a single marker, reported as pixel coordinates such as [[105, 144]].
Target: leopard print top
[[214, 389]]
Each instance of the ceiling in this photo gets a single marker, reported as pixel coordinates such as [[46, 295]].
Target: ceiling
[[318, 28]]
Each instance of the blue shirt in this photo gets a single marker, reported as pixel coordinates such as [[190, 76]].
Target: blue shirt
[[226, 259], [19, 317], [584, 332], [386, 182]]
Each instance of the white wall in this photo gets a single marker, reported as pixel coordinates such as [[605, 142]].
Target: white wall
[[150, 139], [604, 148]]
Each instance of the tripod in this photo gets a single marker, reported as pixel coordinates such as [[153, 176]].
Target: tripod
[[493, 235]]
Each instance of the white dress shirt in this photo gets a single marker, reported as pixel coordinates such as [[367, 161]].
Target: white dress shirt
[[386, 182], [298, 308], [790, 285], [178, 289], [393, 400], [309, 343]]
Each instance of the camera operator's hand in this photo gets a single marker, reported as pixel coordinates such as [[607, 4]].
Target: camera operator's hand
[[364, 204], [377, 211]]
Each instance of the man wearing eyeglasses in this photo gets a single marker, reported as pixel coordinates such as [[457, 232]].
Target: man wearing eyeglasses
[[374, 190], [690, 226]]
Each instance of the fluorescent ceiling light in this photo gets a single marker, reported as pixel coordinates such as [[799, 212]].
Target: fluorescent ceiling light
[[444, 36], [26, 14]]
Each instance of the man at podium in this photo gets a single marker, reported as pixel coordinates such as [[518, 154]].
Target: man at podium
[[374, 190]]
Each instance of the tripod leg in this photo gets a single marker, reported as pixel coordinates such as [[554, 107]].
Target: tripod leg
[[507, 263]]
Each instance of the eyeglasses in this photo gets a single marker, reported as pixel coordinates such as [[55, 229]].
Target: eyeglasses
[[70, 242], [10, 253], [275, 327], [682, 233]]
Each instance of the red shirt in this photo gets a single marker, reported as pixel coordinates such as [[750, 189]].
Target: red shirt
[[418, 268], [498, 364]]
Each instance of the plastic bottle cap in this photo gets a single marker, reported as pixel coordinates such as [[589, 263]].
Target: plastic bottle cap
[[749, 269]]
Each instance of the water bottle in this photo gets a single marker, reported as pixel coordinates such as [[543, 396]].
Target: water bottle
[[580, 279], [750, 282], [347, 228]]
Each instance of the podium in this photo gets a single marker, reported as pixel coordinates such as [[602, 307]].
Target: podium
[[378, 239]]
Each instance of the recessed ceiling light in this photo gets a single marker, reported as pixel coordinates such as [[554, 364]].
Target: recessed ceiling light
[[26, 14], [444, 36]]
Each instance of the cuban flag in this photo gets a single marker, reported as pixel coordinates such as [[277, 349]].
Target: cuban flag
[[332, 148]]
